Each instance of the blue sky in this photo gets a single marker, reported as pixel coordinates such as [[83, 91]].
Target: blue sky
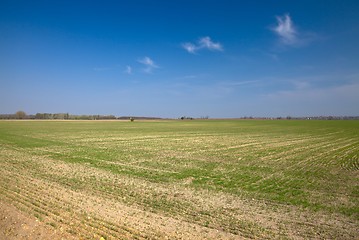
[[180, 58]]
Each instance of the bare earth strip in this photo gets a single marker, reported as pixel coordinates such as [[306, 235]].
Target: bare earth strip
[[15, 224]]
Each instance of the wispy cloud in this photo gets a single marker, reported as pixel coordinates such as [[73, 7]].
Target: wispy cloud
[[206, 42], [128, 70], [189, 47], [202, 43], [301, 85], [149, 64], [285, 30], [332, 100], [289, 35]]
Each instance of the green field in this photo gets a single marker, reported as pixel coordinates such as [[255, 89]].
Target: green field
[[218, 179]]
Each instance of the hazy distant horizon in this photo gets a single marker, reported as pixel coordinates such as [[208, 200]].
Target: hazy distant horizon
[[71, 116], [222, 59]]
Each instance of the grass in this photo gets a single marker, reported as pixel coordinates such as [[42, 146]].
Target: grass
[[170, 168]]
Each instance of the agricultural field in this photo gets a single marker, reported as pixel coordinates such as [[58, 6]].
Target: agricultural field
[[200, 179]]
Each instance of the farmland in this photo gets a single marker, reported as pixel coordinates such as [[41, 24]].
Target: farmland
[[208, 179]]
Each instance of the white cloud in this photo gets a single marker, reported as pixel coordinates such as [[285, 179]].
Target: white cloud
[[285, 30], [128, 70], [189, 47], [202, 43], [149, 63], [206, 42]]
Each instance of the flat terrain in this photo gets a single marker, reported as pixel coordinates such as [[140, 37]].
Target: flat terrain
[[210, 179]]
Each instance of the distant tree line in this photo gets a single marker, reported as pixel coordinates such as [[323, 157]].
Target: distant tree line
[[67, 116], [55, 116], [17, 115]]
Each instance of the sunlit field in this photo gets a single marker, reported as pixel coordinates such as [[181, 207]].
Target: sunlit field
[[199, 179]]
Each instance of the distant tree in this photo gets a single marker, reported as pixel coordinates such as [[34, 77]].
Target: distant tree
[[20, 115], [39, 116]]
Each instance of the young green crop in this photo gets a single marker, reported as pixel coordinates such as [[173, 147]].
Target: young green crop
[[310, 165]]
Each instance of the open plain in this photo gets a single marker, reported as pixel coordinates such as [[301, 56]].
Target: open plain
[[200, 179]]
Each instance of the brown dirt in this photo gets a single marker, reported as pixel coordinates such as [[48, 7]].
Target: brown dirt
[[15, 224]]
